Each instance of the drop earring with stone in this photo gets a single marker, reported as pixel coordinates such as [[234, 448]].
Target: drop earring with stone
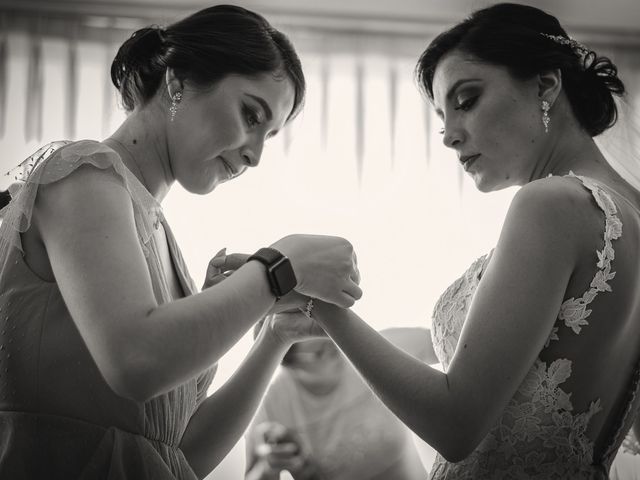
[[546, 119], [174, 105]]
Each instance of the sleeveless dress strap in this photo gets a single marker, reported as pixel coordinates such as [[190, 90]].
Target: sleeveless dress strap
[[574, 312]]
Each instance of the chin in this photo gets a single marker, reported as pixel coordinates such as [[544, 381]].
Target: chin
[[200, 188], [483, 184], [201, 191], [486, 184]]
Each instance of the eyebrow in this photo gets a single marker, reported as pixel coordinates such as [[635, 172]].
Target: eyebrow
[[455, 87], [264, 104]]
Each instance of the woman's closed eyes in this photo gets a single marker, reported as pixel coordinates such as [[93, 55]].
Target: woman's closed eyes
[[465, 104], [252, 116]]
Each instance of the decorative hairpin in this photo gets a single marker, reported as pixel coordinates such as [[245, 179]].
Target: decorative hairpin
[[578, 48]]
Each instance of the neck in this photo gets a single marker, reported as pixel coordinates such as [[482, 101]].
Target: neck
[[570, 149], [142, 146]]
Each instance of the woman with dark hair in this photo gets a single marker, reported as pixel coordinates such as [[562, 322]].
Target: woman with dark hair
[[106, 349], [539, 339]]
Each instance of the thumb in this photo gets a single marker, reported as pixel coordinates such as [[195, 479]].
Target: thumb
[[219, 258]]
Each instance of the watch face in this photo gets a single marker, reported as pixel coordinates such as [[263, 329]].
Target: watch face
[[283, 276]]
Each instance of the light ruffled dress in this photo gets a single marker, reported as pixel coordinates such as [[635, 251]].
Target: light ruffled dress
[[58, 417]]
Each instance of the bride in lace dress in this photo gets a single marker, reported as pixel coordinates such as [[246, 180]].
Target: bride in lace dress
[[539, 339]]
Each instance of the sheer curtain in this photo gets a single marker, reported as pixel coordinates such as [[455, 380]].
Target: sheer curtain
[[363, 160]]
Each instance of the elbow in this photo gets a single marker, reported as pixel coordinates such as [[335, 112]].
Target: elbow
[[456, 453], [131, 377], [461, 438], [131, 390], [457, 424], [458, 448]]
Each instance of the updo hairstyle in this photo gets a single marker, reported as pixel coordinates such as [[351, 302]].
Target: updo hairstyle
[[511, 35], [204, 48]]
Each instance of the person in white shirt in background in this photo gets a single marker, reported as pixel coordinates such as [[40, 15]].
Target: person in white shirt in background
[[319, 420]]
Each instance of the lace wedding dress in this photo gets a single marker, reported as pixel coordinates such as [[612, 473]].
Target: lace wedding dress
[[539, 435]]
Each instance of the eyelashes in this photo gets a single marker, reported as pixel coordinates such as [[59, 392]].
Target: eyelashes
[[464, 105], [255, 117], [251, 115]]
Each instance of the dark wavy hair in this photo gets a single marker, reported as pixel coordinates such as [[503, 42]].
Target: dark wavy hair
[[204, 48], [510, 35]]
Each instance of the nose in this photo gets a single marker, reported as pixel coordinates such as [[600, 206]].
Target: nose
[[251, 153], [453, 136]]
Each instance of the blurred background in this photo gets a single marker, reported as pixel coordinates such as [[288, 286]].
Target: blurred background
[[364, 160]]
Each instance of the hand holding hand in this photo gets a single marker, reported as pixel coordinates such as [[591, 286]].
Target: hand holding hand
[[326, 267], [291, 302], [221, 266], [292, 327]]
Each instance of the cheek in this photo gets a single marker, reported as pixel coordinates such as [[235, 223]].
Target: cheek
[[507, 126], [229, 136], [225, 127], [207, 141], [212, 130]]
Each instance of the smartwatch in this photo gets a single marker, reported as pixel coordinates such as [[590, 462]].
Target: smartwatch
[[280, 274]]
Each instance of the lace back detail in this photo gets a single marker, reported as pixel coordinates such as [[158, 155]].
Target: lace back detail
[[574, 312], [539, 435]]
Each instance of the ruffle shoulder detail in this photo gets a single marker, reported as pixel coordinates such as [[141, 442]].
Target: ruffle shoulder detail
[[57, 161]]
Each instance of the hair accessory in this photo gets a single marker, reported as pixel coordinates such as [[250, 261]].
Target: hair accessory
[[578, 48], [161, 35], [308, 308], [545, 115], [174, 105]]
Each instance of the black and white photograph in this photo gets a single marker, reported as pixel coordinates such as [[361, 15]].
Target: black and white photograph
[[319, 240]]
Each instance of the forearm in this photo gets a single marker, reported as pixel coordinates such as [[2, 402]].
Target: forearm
[[182, 338], [223, 417], [414, 340], [417, 394]]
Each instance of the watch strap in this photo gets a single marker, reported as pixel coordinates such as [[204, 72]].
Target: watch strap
[[280, 273], [268, 256]]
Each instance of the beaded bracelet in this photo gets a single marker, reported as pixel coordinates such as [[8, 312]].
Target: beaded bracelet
[[308, 308]]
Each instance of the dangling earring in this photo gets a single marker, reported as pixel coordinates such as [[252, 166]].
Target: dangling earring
[[174, 105], [545, 115]]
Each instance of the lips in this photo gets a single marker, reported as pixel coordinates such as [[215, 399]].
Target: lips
[[468, 160], [229, 168]]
